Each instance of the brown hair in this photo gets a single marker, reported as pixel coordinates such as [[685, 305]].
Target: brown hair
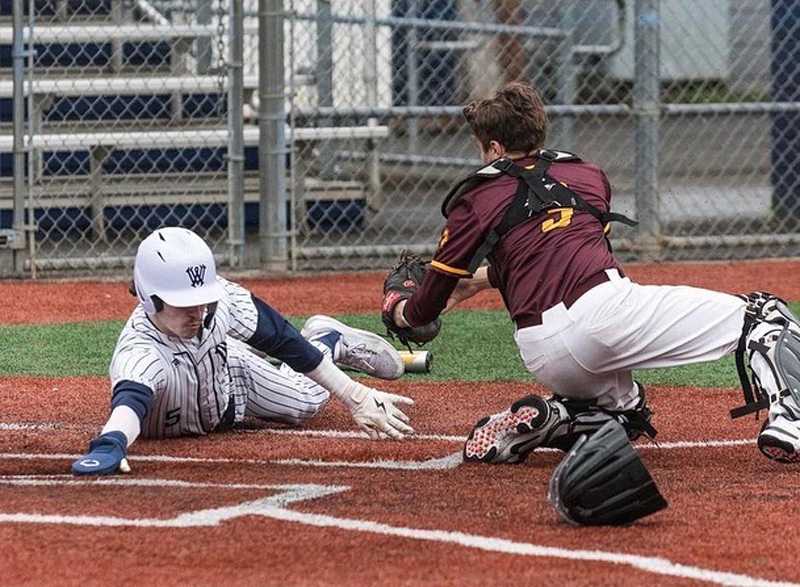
[[514, 117]]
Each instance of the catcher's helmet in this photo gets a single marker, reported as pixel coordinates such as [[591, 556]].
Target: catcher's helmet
[[602, 481], [175, 266]]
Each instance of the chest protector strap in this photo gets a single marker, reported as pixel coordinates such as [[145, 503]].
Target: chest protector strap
[[536, 193]]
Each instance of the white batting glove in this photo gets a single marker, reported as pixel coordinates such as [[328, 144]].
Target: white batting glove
[[375, 412]]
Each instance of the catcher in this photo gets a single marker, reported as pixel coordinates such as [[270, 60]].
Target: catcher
[[541, 218]]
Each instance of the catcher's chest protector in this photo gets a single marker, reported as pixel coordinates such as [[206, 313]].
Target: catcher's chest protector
[[537, 192]]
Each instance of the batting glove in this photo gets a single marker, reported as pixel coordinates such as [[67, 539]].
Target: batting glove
[[375, 412], [107, 455]]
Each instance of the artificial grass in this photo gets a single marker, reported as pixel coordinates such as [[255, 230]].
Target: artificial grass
[[473, 346], [82, 348]]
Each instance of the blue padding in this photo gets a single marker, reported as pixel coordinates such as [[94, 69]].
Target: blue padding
[[72, 54], [40, 7], [93, 7], [205, 106], [278, 338], [110, 107], [146, 53], [136, 396]]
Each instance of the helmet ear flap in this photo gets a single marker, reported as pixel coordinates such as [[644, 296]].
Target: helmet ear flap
[[157, 303], [151, 304]]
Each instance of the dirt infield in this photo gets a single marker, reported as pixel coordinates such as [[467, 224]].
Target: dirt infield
[[208, 511], [269, 505], [47, 302]]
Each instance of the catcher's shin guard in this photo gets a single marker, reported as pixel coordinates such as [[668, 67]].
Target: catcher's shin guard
[[602, 481], [771, 332]]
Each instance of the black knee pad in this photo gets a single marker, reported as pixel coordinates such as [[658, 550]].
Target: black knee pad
[[585, 417]]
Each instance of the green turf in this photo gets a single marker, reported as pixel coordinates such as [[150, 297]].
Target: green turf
[[473, 346], [64, 349]]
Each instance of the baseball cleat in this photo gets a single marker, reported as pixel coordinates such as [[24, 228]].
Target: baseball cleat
[[357, 349], [508, 437], [779, 440]]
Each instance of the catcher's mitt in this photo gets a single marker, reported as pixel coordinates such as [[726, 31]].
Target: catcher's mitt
[[401, 282]]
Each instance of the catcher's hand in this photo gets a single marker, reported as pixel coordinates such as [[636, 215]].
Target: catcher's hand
[[400, 284]]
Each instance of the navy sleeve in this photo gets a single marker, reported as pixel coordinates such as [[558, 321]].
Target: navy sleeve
[[278, 338], [136, 396]]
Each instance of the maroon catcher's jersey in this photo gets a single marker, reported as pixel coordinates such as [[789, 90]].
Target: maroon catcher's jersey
[[536, 264]]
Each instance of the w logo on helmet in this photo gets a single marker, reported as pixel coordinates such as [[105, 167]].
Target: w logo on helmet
[[197, 275]]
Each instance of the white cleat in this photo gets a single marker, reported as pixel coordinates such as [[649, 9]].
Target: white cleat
[[779, 440], [358, 349], [508, 437]]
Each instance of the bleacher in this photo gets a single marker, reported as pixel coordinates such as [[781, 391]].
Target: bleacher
[[126, 128]]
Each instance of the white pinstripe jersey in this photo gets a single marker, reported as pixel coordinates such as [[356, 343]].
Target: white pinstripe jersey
[[189, 378]]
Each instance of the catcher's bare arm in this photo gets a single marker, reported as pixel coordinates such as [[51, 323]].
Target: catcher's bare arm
[[466, 288]]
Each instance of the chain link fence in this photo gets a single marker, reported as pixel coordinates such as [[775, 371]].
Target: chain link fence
[[698, 134], [693, 109], [125, 126]]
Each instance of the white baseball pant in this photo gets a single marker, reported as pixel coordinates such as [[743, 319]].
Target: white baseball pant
[[588, 351]]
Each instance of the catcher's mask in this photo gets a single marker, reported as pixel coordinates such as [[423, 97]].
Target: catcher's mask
[[175, 266], [602, 481]]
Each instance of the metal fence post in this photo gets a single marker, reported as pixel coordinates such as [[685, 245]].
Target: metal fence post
[[19, 55], [375, 198], [566, 80], [412, 73], [272, 151], [324, 76], [205, 12], [646, 107], [236, 136]]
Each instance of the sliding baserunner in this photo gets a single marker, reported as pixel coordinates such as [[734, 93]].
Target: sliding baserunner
[[183, 363]]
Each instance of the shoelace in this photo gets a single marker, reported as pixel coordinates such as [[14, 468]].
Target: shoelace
[[360, 354]]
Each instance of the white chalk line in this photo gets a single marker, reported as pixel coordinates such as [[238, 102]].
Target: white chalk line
[[50, 480], [450, 461], [655, 565], [274, 507], [354, 434]]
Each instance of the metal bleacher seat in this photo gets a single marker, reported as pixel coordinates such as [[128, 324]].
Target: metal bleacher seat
[[93, 179]]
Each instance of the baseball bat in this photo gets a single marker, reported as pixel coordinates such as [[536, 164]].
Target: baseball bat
[[417, 361], [414, 361]]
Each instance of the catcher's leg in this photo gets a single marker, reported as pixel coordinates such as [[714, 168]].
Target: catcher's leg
[[533, 422], [771, 345]]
